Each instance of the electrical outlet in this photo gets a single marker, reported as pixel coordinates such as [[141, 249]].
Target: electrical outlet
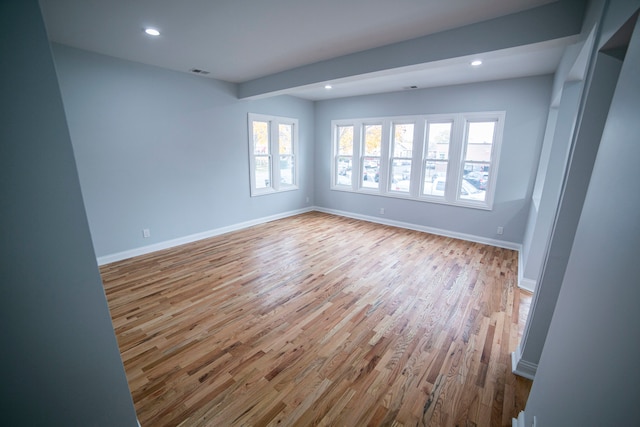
[[307, 200], [146, 233], [381, 211], [500, 230]]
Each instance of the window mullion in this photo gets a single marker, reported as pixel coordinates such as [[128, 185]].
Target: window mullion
[[417, 161], [274, 154], [456, 159], [385, 156], [356, 165]]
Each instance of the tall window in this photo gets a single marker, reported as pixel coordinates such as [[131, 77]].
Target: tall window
[[372, 146], [344, 155], [445, 158], [401, 157], [436, 162], [478, 144], [273, 146]]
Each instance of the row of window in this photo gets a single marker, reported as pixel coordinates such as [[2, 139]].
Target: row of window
[[439, 158], [449, 159]]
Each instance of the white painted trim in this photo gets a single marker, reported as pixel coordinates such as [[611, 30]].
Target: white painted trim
[[426, 229], [143, 250], [518, 422], [523, 282], [522, 367], [527, 284], [138, 422]]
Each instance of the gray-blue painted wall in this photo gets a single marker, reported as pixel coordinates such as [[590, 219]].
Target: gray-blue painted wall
[[526, 102], [167, 151], [587, 374], [59, 359]]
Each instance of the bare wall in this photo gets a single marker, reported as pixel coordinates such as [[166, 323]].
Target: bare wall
[[167, 151]]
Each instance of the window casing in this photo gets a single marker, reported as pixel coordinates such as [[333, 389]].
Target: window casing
[[446, 158], [273, 148]]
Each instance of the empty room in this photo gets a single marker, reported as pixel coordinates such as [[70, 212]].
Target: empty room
[[330, 213]]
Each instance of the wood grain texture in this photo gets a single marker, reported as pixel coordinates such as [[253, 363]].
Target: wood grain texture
[[320, 320]]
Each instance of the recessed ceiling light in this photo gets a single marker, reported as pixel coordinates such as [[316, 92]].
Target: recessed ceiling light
[[476, 62], [328, 87], [152, 31]]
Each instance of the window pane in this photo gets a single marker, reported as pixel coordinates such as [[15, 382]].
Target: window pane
[[477, 174], [403, 140], [372, 140], [479, 141], [371, 173], [401, 175], [435, 174], [469, 192], [260, 137], [343, 169], [286, 170], [284, 141], [263, 171], [438, 142], [345, 140]]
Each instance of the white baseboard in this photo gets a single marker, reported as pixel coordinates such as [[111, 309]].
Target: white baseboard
[[518, 422], [523, 282], [522, 367], [527, 284], [424, 228], [119, 256], [143, 250]]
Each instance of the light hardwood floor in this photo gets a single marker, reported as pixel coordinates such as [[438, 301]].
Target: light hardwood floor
[[320, 320]]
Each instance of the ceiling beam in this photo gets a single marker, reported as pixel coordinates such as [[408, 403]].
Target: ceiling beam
[[552, 21]]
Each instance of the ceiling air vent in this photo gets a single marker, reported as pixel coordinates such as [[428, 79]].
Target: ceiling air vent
[[199, 71]]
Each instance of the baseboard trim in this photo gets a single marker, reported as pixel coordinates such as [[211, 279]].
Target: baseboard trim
[[527, 284], [432, 230], [523, 282], [522, 367], [518, 422], [143, 250]]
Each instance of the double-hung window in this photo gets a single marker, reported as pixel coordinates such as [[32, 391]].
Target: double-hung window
[[401, 157], [343, 165], [436, 158], [478, 147], [371, 149], [273, 148], [444, 158]]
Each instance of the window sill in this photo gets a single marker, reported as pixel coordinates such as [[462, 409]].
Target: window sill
[[424, 199]]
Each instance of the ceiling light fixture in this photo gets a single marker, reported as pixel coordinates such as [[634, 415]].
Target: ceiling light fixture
[[152, 31], [328, 87], [476, 63]]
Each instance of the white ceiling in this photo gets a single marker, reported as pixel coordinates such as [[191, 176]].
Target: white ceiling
[[241, 40]]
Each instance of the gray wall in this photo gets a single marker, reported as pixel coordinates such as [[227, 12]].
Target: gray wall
[[587, 374], [60, 364], [167, 151], [526, 102]]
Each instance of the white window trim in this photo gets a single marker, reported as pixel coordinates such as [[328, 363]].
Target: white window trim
[[275, 186], [455, 161]]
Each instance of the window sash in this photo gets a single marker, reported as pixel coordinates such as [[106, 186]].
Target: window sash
[[273, 165]]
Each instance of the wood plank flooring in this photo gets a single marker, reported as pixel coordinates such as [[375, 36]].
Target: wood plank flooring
[[320, 320]]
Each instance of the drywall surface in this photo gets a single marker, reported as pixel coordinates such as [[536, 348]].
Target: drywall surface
[[60, 364], [526, 102], [167, 151], [587, 374]]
